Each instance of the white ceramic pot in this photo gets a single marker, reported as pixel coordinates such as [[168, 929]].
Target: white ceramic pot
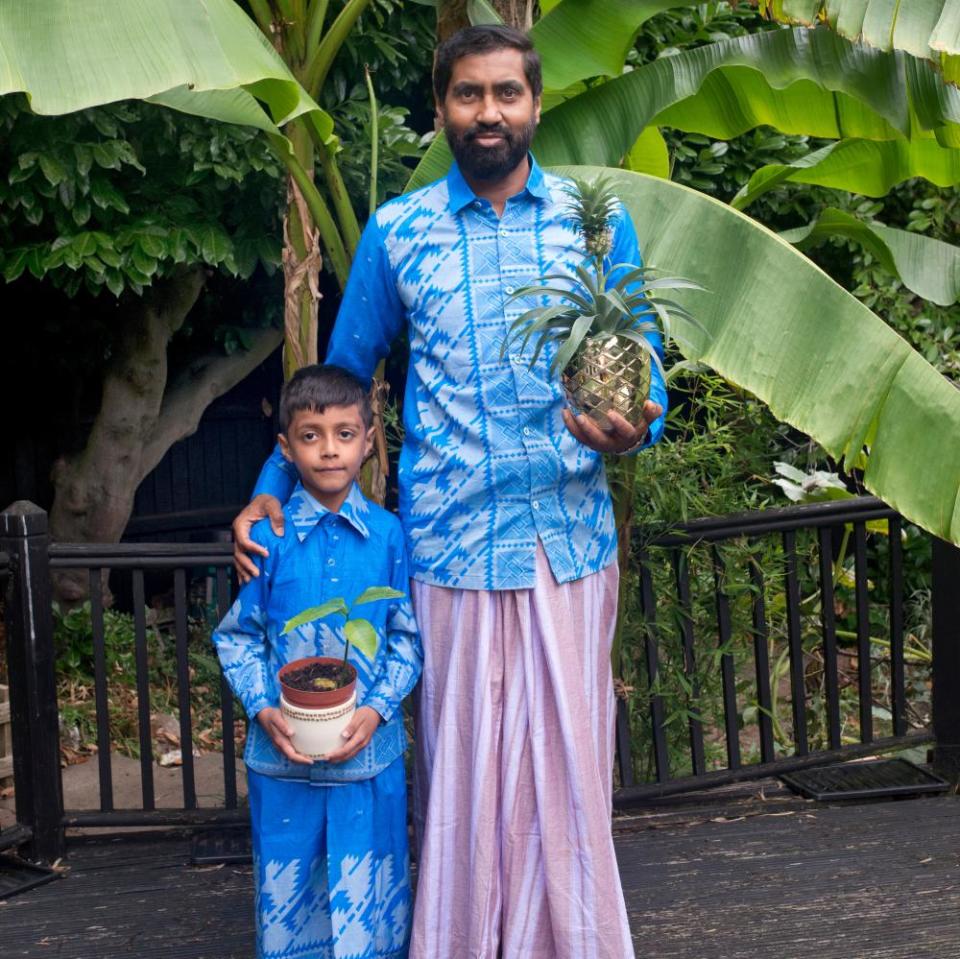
[[316, 732]]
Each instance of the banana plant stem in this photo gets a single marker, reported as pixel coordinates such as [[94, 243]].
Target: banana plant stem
[[374, 141], [349, 227], [329, 235]]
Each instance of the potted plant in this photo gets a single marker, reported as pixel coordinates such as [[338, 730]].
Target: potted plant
[[319, 693], [597, 322]]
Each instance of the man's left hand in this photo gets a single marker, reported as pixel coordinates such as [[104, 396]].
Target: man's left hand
[[624, 436]]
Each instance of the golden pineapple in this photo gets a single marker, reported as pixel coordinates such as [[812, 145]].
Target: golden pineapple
[[598, 323]]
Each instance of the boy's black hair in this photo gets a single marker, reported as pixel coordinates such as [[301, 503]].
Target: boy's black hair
[[485, 39], [319, 386]]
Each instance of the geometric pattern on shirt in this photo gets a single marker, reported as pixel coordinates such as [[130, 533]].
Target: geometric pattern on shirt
[[487, 466]]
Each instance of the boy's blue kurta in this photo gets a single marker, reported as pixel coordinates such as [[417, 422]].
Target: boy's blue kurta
[[323, 555], [330, 840]]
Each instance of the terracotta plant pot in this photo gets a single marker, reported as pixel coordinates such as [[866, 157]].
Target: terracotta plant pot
[[317, 716], [316, 698]]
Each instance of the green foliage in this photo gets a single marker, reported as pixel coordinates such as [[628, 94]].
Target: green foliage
[[695, 25], [114, 197], [358, 632], [395, 40], [397, 143], [73, 641], [722, 167]]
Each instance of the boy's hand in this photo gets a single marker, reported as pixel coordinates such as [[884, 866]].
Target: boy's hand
[[259, 507], [357, 735], [281, 734]]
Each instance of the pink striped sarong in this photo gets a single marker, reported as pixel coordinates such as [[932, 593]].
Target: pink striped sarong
[[513, 781]]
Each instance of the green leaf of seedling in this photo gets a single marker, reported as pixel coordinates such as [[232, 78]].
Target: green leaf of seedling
[[315, 612], [361, 634], [375, 593]]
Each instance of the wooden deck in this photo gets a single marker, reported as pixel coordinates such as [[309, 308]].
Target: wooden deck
[[750, 874]]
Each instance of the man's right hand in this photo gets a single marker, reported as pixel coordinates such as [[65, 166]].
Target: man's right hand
[[257, 509], [281, 734]]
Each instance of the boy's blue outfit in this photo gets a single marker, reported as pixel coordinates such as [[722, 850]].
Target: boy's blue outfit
[[330, 840]]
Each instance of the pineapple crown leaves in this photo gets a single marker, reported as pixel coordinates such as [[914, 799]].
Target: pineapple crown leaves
[[594, 307], [595, 304], [359, 632], [593, 206]]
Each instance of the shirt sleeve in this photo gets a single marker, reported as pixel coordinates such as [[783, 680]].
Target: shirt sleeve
[[240, 640], [277, 478], [371, 314], [404, 659], [627, 250]]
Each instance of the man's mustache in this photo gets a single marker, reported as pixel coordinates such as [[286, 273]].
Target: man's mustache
[[478, 131]]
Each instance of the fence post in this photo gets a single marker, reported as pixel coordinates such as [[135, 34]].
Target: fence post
[[946, 659], [33, 690]]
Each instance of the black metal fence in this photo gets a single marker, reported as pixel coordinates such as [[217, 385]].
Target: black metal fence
[[778, 552], [701, 572]]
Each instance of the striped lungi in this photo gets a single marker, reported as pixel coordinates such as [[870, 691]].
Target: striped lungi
[[513, 780]]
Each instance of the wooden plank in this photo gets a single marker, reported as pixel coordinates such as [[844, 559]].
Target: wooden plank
[[765, 876]]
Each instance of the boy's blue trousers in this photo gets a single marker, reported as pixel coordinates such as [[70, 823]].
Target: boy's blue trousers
[[331, 867]]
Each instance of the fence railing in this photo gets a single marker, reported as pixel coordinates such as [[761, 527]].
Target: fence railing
[[718, 601], [780, 569]]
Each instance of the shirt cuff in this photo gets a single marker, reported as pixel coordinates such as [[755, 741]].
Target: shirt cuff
[[386, 708], [253, 706]]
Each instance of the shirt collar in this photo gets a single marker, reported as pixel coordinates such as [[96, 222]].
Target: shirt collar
[[461, 195], [306, 512]]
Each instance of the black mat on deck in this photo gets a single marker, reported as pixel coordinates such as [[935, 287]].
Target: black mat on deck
[[876, 779]]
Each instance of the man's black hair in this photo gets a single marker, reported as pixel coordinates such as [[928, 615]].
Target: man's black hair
[[471, 41], [319, 386]]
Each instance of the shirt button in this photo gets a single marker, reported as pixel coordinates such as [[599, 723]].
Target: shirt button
[[526, 431], [536, 504], [509, 289], [503, 233], [335, 537], [331, 562]]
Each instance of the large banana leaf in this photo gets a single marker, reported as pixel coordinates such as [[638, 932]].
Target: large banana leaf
[[928, 267], [200, 56], [801, 81], [577, 39], [782, 329], [870, 167], [922, 28], [600, 125]]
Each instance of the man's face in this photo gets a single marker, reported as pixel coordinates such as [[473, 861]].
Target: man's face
[[489, 114]]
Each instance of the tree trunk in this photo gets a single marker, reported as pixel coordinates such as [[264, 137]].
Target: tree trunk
[[452, 15], [139, 420]]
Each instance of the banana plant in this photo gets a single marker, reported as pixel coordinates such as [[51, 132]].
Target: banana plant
[[206, 57], [925, 29], [779, 327]]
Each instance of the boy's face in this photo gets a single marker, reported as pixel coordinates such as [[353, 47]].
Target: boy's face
[[328, 450]]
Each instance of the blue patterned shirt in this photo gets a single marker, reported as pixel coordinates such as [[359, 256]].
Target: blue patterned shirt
[[323, 555], [487, 465]]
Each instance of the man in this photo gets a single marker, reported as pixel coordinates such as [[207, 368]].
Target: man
[[508, 518]]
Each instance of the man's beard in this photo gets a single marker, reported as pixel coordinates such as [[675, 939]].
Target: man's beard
[[491, 163]]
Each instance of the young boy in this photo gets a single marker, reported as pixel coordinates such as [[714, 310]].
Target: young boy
[[329, 837]]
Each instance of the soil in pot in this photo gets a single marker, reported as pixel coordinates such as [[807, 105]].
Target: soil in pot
[[318, 677]]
